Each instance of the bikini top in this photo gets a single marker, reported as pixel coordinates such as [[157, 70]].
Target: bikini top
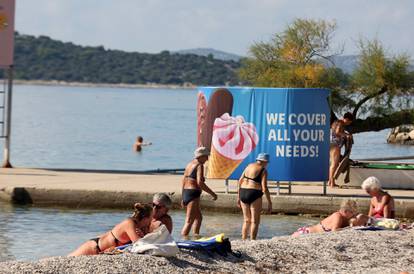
[[193, 174], [118, 242], [257, 179]]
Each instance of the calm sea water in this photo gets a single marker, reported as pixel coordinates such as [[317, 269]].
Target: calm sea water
[[28, 233], [76, 127], [94, 128]]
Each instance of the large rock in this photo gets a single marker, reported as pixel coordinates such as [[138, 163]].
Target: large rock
[[403, 134]]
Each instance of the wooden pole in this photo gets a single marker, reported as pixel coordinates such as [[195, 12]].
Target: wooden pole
[[7, 121]]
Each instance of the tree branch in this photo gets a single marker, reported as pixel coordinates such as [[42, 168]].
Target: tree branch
[[379, 123], [384, 89]]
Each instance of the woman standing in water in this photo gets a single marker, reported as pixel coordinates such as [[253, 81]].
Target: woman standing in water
[[128, 231], [193, 184], [252, 185]]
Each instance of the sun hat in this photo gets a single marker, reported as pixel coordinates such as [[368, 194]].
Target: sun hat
[[264, 157], [201, 151]]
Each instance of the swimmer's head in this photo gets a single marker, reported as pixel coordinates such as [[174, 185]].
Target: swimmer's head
[[140, 139]]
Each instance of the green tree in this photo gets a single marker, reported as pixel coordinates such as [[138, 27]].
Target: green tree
[[379, 92]]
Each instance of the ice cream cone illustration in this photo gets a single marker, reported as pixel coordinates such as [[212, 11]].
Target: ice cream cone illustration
[[233, 140]]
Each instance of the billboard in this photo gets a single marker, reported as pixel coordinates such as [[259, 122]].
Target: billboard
[[291, 124], [6, 32]]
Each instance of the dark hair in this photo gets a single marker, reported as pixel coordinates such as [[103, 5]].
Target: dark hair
[[140, 139], [349, 116], [141, 211]]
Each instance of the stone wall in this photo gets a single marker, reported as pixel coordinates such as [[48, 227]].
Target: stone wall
[[403, 135]]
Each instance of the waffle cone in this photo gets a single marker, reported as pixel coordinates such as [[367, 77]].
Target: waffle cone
[[220, 167]]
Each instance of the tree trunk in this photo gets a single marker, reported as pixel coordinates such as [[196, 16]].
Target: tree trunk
[[379, 123], [383, 90]]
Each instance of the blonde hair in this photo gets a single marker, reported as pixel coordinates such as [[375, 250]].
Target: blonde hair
[[141, 211], [349, 205], [371, 183]]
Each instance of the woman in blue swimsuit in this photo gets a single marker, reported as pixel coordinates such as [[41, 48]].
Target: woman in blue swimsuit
[[193, 184], [252, 185], [128, 231]]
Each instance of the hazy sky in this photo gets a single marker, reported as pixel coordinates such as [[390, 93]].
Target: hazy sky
[[229, 25]]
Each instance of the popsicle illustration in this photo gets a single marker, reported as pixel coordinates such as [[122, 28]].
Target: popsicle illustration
[[220, 102], [233, 140]]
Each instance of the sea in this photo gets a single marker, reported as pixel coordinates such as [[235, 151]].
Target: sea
[[95, 128]]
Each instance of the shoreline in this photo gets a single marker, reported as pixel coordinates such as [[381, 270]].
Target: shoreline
[[106, 189], [99, 85], [346, 251]]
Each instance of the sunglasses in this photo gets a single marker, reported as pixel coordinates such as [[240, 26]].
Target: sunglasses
[[157, 206]]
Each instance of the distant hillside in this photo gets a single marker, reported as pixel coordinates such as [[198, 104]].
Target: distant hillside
[[42, 58], [217, 54]]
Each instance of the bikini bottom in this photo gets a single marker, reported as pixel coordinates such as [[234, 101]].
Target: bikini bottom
[[249, 195], [190, 194]]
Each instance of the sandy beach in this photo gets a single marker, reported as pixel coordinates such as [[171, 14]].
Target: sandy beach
[[348, 251]]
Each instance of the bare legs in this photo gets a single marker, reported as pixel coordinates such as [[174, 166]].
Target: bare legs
[[251, 218], [334, 156], [193, 218]]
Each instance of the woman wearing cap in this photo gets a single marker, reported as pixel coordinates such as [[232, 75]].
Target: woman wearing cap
[[382, 204], [193, 184], [252, 185]]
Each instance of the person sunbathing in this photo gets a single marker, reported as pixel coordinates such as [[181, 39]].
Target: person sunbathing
[[382, 204], [161, 204], [333, 222], [128, 231]]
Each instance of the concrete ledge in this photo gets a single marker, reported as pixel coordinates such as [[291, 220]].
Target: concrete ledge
[[287, 204]]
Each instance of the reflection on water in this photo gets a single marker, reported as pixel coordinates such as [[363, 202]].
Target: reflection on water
[[28, 233]]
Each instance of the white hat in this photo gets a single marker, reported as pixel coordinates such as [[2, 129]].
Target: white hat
[[264, 157], [201, 151]]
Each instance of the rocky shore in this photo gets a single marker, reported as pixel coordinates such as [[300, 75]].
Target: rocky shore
[[403, 135], [348, 251]]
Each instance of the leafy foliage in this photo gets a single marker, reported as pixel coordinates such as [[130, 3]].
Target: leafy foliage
[[293, 58], [41, 58], [380, 89]]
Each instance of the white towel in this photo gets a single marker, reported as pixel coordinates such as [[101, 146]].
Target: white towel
[[158, 243]]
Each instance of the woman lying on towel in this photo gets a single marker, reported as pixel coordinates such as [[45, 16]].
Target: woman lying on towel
[[128, 231], [333, 222], [382, 204]]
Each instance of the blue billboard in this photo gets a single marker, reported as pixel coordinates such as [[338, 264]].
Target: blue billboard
[[291, 124]]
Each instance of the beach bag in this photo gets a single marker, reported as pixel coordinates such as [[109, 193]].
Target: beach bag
[[213, 245], [157, 243]]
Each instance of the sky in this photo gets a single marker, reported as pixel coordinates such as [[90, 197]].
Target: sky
[[229, 25]]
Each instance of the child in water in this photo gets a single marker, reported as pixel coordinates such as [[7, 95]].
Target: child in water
[[139, 143]]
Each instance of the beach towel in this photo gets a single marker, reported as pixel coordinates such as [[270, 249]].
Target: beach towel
[[158, 243], [381, 224]]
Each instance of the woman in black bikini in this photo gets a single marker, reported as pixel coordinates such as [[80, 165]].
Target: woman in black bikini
[[193, 184], [252, 185], [128, 231]]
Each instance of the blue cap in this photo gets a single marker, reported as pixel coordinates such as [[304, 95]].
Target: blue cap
[[264, 157]]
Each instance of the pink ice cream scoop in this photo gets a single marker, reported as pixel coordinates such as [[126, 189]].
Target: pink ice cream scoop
[[233, 137]]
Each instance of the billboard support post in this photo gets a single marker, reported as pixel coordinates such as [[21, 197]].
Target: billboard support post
[[7, 121]]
